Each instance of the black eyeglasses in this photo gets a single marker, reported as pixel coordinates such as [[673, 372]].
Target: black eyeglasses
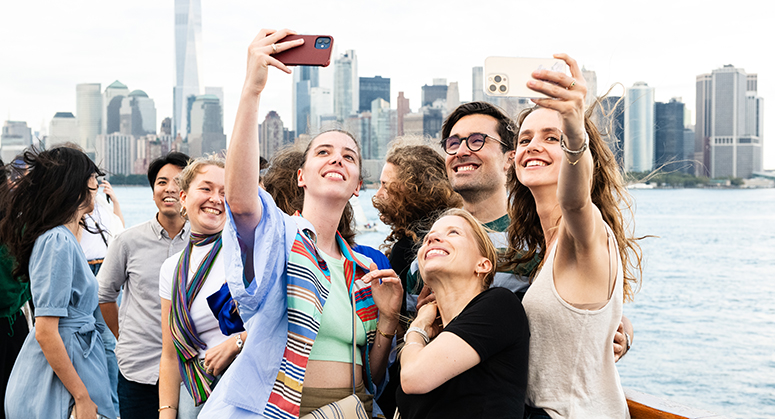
[[474, 142]]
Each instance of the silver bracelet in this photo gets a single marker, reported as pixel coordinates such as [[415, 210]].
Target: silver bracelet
[[572, 152], [422, 333]]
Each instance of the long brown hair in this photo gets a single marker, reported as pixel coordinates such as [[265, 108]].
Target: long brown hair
[[282, 182], [49, 194], [420, 191], [525, 235]]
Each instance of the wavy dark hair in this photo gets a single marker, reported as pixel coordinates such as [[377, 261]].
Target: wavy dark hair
[[282, 182], [420, 191], [50, 194], [525, 235]]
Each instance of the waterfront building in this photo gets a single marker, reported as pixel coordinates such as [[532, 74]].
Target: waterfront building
[[271, 135], [402, 108], [434, 92], [166, 126], [669, 136], [477, 84], [728, 131], [413, 124], [383, 129], [149, 148], [137, 114], [63, 128], [639, 128], [346, 95], [88, 111], [206, 135], [452, 101], [321, 104], [111, 107], [188, 56], [305, 78], [431, 121], [116, 153], [371, 88], [15, 137], [591, 78]]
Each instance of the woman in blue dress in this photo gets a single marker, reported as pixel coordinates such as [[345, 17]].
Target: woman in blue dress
[[61, 367]]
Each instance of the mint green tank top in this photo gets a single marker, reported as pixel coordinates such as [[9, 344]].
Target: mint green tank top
[[334, 339]]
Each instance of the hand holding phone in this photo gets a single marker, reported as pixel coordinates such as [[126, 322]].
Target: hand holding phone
[[508, 76], [316, 51]]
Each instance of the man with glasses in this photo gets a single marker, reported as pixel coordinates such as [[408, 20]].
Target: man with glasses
[[479, 141]]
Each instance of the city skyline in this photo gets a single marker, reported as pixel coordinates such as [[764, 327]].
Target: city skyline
[[138, 48]]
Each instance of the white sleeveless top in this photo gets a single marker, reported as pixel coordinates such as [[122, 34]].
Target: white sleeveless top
[[571, 372]]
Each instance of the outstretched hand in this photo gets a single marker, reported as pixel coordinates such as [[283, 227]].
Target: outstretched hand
[[260, 57], [566, 95]]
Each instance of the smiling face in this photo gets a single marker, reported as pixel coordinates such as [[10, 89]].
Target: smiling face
[[451, 248], [204, 201], [166, 192], [539, 155], [477, 173], [332, 167]]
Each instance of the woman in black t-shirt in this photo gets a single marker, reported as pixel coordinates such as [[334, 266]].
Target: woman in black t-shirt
[[476, 363]]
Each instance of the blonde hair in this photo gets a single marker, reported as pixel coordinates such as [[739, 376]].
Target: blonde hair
[[483, 242], [195, 167]]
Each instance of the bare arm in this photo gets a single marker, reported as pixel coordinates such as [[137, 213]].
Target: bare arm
[[424, 368], [169, 374], [112, 195], [110, 314], [242, 170], [47, 335]]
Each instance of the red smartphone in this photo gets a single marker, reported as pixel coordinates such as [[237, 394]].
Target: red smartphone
[[316, 51]]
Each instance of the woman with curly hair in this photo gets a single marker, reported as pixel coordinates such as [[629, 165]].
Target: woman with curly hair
[[61, 366], [565, 204], [413, 189]]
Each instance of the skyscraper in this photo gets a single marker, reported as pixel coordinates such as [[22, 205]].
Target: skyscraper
[[88, 111], [371, 88], [271, 135], [304, 79], [188, 55], [639, 128], [321, 104], [402, 108], [434, 92], [206, 134], [728, 132], [346, 85], [383, 128], [477, 83], [138, 114], [111, 107], [669, 135], [62, 129], [16, 136]]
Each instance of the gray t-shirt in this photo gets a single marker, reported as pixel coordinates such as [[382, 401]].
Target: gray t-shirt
[[133, 261]]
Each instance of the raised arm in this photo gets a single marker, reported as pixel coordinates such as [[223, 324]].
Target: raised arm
[[242, 168], [580, 216]]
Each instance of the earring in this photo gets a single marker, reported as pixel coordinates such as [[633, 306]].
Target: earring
[[183, 212]]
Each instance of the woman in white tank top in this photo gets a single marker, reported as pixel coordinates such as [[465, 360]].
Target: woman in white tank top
[[565, 204]]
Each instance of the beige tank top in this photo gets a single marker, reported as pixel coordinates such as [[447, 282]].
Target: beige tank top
[[571, 371]]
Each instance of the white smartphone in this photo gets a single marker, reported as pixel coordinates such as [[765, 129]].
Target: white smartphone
[[508, 76]]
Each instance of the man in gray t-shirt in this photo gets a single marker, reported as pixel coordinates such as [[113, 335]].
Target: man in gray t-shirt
[[133, 262]]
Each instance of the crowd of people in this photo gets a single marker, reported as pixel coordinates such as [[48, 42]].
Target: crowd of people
[[498, 292]]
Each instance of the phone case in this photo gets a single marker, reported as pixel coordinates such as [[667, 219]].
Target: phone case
[[308, 53], [508, 76]]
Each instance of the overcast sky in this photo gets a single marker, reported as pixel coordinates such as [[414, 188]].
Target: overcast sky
[[47, 47]]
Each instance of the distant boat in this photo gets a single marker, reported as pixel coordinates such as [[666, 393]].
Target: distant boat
[[640, 186], [362, 223]]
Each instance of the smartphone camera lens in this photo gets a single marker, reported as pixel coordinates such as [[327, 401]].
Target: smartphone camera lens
[[322, 43], [493, 88], [497, 79], [503, 88]]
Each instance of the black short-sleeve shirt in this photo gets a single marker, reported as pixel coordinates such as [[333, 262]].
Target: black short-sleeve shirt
[[495, 325]]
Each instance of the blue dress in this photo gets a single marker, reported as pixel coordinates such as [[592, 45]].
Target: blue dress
[[62, 286]]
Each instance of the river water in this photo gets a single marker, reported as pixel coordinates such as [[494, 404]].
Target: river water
[[705, 315]]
